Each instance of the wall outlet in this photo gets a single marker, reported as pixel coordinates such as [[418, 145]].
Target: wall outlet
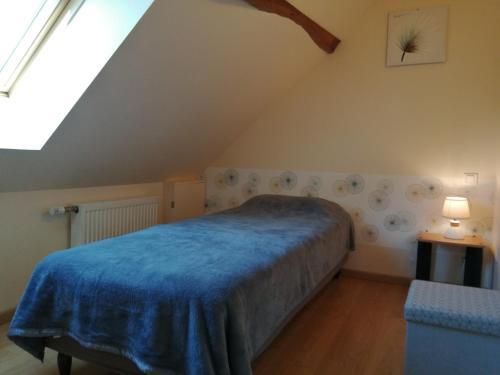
[[471, 178]]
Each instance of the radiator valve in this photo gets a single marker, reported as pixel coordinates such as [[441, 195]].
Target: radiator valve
[[54, 211]]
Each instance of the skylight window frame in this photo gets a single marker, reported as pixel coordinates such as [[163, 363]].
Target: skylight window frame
[[34, 46]]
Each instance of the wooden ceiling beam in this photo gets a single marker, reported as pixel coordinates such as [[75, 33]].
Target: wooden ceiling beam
[[322, 37]]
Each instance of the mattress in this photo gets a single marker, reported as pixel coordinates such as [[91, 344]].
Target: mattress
[[202, 296]]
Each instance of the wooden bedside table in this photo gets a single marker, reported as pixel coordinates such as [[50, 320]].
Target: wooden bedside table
[[473, 256]]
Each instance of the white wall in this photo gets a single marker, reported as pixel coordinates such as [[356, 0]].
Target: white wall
[[27, 233], [355, 114]]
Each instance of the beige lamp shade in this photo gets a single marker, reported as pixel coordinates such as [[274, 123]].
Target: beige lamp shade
[[456, 208]]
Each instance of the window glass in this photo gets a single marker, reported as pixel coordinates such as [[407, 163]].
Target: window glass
[[24, 23]]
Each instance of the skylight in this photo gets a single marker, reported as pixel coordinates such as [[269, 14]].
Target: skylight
[[24, 23], [83, 37]]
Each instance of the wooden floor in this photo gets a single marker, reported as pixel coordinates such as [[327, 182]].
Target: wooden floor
[[353, 326]]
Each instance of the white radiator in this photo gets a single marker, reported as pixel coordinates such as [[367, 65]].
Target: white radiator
[[99, 220]]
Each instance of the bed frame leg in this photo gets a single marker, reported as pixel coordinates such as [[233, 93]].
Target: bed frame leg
[[64, 364], [337, 275]]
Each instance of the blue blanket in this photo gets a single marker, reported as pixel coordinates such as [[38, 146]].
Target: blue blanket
[[201, 296]]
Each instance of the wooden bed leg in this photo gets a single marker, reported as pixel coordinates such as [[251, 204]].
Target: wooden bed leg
[[64, 364], [337, 275]]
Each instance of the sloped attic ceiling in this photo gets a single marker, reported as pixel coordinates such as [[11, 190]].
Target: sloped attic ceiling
[[190, 78]]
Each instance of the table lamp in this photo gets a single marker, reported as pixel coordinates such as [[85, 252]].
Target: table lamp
[[455, 208]]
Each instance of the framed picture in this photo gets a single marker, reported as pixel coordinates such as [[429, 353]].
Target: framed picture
[[417, 36]]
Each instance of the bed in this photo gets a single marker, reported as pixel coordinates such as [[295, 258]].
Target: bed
[[202, 296]]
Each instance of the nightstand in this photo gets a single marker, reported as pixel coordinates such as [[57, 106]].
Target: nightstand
[[474, 247]]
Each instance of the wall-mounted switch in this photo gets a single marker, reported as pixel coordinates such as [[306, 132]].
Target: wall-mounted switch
[[471, 178]]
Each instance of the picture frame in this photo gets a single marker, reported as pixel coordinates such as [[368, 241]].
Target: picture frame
[[417, 36]]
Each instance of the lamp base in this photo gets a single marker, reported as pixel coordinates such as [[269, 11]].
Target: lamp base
[[454, 233]]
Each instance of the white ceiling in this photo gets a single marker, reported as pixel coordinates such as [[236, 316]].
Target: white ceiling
[[186, 82]]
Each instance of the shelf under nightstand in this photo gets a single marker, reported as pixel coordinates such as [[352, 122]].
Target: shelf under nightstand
[[474, 247]]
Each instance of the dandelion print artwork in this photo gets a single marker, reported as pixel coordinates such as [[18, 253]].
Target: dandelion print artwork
[[340, 188], [288, 180], [415, 193], [275, 185], [369, 233], [392, 223], [488, 223], [248, 190], [220, 182], [435, 221], [315, 181], [476, 227], [355, 183], [310, 191], [378, 200], [408, 221], [213, 204], [386, 185], [417, 37], [433, 188], [254, 179], [409, 41], [357, 215], [231, 177]]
